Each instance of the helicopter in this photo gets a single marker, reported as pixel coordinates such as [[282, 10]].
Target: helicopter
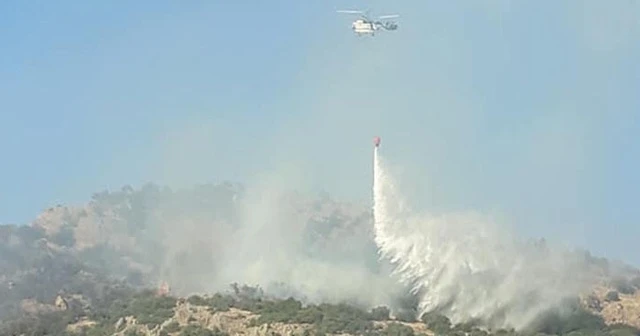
[[364, 25]]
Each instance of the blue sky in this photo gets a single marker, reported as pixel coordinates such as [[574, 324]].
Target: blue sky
[[525, 109]]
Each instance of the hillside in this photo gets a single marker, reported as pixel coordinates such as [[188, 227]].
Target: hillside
[[156, 234], [84, 264], [247, 311]]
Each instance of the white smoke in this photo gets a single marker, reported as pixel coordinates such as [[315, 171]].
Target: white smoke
[[286, 243], [467, 267]]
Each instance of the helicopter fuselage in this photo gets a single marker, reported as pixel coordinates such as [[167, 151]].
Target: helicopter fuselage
[[361, 26]]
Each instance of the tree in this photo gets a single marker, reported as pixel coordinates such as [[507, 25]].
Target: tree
[[612, 296], [440, 324], [623, 286], [397, 329], [380, 313], [64, 237]]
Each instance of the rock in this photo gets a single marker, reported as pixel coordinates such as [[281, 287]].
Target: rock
[[77, 327], [60, 303], [119, 323], [593, 303]]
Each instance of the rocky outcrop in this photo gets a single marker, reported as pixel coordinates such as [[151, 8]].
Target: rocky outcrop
[[614, 309], [78, 327], [60, 303], [233, 322]]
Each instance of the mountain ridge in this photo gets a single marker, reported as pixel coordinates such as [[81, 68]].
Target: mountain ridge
[[133, 239]]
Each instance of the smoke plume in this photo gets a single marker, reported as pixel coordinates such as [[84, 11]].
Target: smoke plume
[[315, 250]]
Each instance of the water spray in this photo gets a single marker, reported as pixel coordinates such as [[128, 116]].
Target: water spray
[[465, 266]]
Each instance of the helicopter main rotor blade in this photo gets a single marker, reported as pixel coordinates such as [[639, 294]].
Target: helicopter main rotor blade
[[363, 14], [388, 16], [349, 11]]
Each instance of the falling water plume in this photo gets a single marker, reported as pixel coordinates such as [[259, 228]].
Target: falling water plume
[[467, 267]]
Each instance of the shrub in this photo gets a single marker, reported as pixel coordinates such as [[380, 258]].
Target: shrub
[[623, 286], [219, 302], [194, 330], [406, 315], [64, 237], [438, 323], [146, 307], [380, 313], [309, 315], [635, 282], [612, 296], [553, 323], [172, 327], [623, 330], [397, 329]]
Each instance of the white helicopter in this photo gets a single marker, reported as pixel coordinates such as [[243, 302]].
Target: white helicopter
[[364, 25]]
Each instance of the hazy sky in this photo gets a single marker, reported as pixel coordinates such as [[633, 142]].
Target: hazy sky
[[526, 109]]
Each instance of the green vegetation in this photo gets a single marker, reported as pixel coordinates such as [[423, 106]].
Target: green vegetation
[[624, 286], [193, 330], [612, 296], [380, 313], [397, 329], [145, 307], [64, 237], [325, 318], [32, 268], [437, 323], [216, 303], [172, 327], [155, 312], [343, 318]]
